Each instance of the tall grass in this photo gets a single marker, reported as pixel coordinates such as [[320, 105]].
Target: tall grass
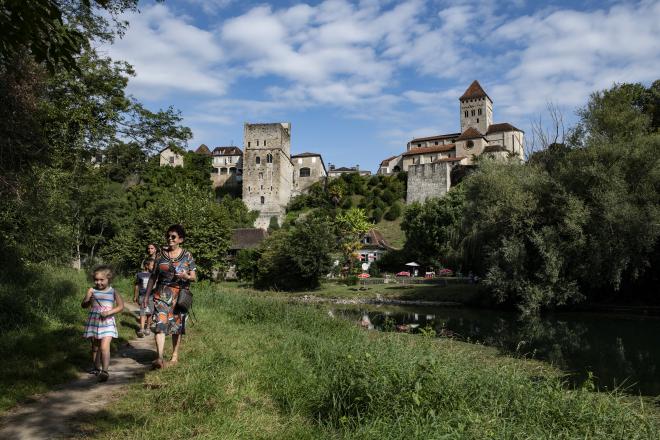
[[258, 368], [41, 324]]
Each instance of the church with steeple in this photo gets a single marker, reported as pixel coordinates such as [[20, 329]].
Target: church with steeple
[[430, 160]]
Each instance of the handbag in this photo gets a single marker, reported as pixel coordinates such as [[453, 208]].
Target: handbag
[[184, 302]]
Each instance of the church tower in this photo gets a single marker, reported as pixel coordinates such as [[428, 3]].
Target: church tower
[[476, 109]]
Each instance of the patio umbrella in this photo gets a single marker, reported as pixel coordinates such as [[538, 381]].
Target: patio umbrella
[[412, 264]]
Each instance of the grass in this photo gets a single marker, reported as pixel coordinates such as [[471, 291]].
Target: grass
[[254, 367], [41, 323], [392, 232], [452, 292]]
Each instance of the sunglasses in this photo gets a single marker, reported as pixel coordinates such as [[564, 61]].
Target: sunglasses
[[172, 237]]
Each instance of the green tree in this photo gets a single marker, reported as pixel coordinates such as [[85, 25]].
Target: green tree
[[394, 212], [351, 226]]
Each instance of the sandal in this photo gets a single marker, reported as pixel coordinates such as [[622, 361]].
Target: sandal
[[94, 370], [104, 375]]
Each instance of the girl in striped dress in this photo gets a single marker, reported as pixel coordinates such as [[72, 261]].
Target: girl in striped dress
[[101, 327]]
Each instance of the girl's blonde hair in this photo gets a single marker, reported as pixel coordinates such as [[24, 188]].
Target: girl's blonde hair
[[107, 271]]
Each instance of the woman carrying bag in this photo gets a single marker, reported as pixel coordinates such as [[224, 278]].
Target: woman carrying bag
[[174, 270]]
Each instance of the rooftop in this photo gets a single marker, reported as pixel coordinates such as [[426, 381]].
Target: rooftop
[[474, 91], [427, 150], [497, 128]]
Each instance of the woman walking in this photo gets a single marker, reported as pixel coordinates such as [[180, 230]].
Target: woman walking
[[174, 270]]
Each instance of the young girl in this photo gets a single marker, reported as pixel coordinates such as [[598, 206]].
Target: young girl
[[101, 326]]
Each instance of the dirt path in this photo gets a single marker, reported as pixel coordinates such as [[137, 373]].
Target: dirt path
[[56, 414]]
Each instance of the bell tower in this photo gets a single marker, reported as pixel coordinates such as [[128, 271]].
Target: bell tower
[[476, 109]]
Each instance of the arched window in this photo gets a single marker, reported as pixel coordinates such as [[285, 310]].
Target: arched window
[[269, 158], [223, 170], [305, 172], [396, 169], [257, 160], [466, 113], [263, 200]]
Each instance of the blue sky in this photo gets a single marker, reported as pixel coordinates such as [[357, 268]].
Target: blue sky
[[357, 80]]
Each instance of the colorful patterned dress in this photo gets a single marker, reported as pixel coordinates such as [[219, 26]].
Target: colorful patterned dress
[[98, 327], [166, 318]]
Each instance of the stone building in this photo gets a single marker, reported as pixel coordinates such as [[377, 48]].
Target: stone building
[[430, 160], [478, 136], [308, 168], [169, 157], [267, 170], [336, 172], [227, 165]]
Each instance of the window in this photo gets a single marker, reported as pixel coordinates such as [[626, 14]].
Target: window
[[304, 172], [477, 120], [419, 145], [263, 200], [257, 160], [472, 112], [436, 142], [469, 144], [261, 175], [264, 142], [223, 170], [479, 112], [465, 113], [232, 170], [214, 171], [269, 158], [171, 159], [249, 143], [262, 187], [257, 143]]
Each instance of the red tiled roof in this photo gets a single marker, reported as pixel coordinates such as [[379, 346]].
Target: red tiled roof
[[470, 133], [497, 128], [426, 150], [247, 238], [227, 151], [376, 240], [474, 91], [449, 159], [432, 138]]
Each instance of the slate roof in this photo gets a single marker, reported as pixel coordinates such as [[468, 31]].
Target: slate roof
[[470, 133], [474, 91], [498, 128], [437, 137], [247, 238], [227, 151], [427, 150], [306, 155], [494, 149]]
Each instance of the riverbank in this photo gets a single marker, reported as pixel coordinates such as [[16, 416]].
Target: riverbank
[[256, 367]]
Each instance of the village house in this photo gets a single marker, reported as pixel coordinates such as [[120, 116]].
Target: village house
[[168, 157], [336, 172], [227, 165]]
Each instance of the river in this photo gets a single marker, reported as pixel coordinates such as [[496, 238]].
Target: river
[[619, 350]]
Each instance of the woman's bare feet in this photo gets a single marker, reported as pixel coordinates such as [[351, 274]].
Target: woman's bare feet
[[157, 364]]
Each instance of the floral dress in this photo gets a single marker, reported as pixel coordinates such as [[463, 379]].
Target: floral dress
[[166, 317]]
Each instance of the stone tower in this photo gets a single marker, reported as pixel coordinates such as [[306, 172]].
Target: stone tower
[[267, 170], [476, 109]]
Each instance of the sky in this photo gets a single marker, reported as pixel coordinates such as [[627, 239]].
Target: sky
[[359, 79]]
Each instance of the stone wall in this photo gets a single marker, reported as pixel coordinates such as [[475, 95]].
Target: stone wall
[[316, 172], [267, 170], [479, 121], [428, 180]]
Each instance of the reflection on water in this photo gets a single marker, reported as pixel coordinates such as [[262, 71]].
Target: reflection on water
[[620, 351]]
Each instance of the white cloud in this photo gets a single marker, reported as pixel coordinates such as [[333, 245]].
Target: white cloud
[[169, 54]]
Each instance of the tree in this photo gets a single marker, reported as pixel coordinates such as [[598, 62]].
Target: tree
[[351, 226], [297, 257]]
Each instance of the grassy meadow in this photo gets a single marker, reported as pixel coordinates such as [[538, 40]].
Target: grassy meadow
[[254, 367], [41, 323]]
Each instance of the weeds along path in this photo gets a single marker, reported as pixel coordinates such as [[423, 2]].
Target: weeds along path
[[62, 412]]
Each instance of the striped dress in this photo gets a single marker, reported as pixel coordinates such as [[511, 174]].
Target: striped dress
[[96, 326]]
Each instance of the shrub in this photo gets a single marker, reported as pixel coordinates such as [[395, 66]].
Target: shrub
[[394, 212]]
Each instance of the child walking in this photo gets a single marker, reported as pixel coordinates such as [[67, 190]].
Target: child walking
[[146, 307], [101, 327]]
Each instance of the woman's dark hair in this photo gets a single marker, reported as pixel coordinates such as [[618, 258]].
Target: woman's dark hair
[[152, 244], [178, 229]]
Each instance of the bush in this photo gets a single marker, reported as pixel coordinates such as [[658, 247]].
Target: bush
[[394, 212], [376, 215]]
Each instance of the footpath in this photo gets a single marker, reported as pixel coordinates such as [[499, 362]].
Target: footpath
[[62, 413]]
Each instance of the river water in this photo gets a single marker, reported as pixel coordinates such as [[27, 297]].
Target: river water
[[619, 350]]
